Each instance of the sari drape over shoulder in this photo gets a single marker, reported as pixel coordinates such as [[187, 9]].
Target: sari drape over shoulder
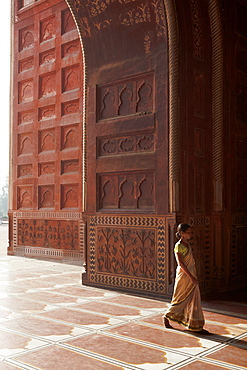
[[185, 307]]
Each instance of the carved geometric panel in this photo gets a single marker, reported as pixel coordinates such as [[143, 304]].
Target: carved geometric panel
[[47, 56], [127, 144], [71, 78], [68, 23], [70, 107], [47, 112], [25, 91], [47, 29], [70, 49], [70, 137], [46, 196], [25, 117], [126, 97], [26, 37], [25, 170], [26, 64], [25, 143], [199, 142], [59, 234], [46, 140], [199, 88], [47, 85], [126, 191], [46, 168], [24, 197], [69, 196], [70, 166]]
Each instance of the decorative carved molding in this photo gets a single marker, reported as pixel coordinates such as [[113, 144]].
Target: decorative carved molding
[[217, 99], [173, 49]]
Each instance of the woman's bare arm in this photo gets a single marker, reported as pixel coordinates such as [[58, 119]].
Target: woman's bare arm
[[180, 261]]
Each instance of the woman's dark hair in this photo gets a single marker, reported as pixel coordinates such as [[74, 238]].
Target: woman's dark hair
[[182, 227]]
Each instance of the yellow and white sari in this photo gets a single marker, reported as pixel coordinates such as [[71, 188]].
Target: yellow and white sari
[[185, 307]]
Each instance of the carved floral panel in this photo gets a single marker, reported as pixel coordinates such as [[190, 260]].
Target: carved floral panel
[[59, 234], [126, 252]]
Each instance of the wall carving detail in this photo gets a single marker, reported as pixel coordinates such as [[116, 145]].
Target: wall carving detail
[[26, 64], [58, 234], [127, 144], [25, 170], [26, 37], [133, 191], [25, 91], [127, 97], [131, 248], [47, 56], [25, 117], [25, 143]]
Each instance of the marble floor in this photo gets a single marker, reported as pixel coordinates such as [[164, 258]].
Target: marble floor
[[48, 321]]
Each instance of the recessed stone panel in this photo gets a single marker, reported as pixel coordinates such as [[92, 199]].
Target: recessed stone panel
[[46, 140], [70, 196], [69, 137]]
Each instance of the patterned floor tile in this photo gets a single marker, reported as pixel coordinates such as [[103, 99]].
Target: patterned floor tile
[[22, 305], [142, 356], [85, 319], [127, 300], [42, 328], [12, 343], [180, 341], [127, 313], [63, 359], [231, 354]]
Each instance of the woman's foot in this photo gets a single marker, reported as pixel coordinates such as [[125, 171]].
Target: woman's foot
[[166, 323], [203, 332]]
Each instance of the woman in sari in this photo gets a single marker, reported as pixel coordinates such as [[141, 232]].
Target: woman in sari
[[185, 307]]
